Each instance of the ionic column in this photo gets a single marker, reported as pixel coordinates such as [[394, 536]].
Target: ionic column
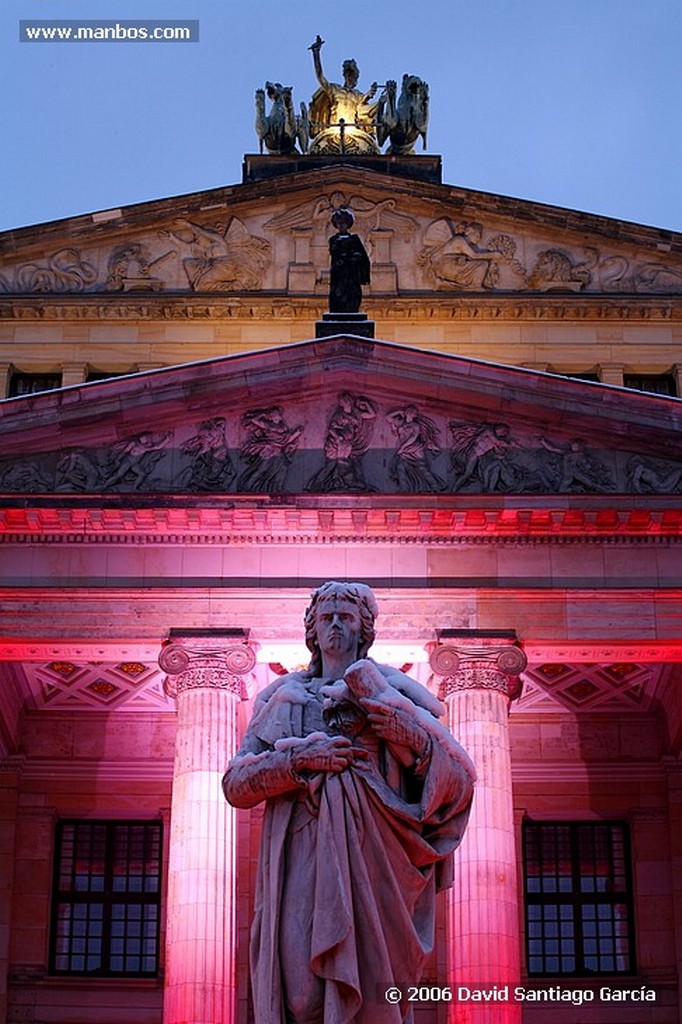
[[206, 676], [479, 678]]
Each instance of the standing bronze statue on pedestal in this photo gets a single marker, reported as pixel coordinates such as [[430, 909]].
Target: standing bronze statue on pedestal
[[350, 267]]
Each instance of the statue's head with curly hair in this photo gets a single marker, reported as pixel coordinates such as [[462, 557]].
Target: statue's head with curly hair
[[358, 594]]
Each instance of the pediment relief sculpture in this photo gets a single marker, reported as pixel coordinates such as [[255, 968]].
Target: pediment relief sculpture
[[370, 214], [190, 255], [358, 444], [132, 268], [470, 256], [286, 250], [66, 270], [219, 257]]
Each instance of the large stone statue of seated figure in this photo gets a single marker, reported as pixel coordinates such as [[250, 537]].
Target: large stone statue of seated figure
[[367, 795]]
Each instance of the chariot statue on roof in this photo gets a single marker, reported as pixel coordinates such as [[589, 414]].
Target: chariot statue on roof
[[341, 118]]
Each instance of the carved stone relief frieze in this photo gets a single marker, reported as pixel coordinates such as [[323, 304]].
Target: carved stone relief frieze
[[130, 268], [358, 446], [220, 257], [467, 256], [211, 468], [455, 257], [387, 232], [556, 270], [485, 457], [267, 450], [64, 271], [349, 433], [289, 252], [418, 443]]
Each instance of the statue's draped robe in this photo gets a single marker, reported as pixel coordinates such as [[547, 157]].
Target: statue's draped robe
[[350, 269], [349, 863]]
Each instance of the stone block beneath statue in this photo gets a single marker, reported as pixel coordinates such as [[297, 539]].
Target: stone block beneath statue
[[344, 323]]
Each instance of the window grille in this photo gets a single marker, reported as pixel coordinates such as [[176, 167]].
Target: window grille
[[107, 881], [31, 383], [578, 898], [654, 383]]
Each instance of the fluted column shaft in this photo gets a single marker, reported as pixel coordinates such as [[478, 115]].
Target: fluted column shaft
[[201, 923], [483, 906]]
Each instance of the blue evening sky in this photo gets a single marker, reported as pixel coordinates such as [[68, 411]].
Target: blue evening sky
[[570, 102]]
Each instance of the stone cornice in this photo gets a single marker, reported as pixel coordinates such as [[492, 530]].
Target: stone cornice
[[413, 307], [306, 520], [469, 202]]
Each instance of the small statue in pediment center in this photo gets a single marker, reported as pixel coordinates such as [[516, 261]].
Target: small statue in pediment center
[[350, 266]]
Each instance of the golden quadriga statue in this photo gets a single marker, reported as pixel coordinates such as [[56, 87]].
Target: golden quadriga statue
[[342, 118]]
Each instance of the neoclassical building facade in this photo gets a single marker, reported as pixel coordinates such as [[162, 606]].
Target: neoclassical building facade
[[182, 461]]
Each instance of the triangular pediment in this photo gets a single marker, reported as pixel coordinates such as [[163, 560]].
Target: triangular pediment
[[424, 239], [343, 415]]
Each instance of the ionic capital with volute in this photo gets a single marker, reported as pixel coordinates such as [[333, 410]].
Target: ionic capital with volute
[[476, 660], [207, 659]]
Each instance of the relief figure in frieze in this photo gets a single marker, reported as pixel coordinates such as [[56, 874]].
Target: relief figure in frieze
[[78, 470], [130, 268], [349, 432], [132, 460], [479, 454], [417, 445], [65, 271], [453, 254], [221, 258], [653, 476], [556, 270], [267, 450], [211, 468], [578, 470], [24, 477]]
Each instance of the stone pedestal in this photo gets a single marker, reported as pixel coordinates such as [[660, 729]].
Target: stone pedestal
[[206, 676], [479, 677], [344, 323]]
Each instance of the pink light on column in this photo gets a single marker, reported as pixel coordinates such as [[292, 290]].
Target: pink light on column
[[483, 907], [201, 926]]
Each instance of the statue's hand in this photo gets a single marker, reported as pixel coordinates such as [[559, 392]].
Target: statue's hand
[[372, 90], [317, 45], [396, 725], [322, 753]]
